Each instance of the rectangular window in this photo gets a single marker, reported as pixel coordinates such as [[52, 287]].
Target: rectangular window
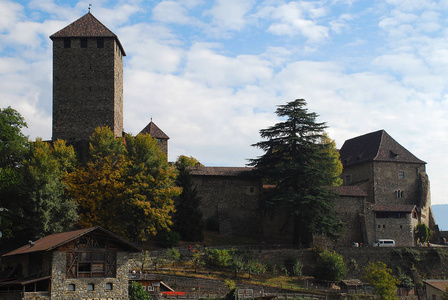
[[100, 42], [150, 288], [401, 174], [71, 287], [109, 286], [348, 179], [83, 42], [90, 287], [67, 42]]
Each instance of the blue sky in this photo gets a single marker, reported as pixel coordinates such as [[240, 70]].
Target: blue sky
[[211, 73]]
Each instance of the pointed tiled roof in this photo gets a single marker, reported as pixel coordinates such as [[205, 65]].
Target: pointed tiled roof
[[53, 241], [375, 146], [220, 171], [154, 131], [87, 26]]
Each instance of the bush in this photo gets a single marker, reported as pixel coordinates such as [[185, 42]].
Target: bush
[[294, 266], [219, 257], [168, 239], [137, 292], [330, 266]]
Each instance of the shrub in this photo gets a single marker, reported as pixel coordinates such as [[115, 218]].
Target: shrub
[[219, 257], [385, 284], [330, 266], [136, 292], [294, 266]]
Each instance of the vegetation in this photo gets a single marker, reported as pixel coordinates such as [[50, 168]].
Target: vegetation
[[137, 292], [422, 233], [188, 217], [330, 266], [300, 161], [380, 276], [127, 186]]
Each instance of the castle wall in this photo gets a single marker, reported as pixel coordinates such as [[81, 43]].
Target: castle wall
[[233, 199], [360, 175], [387, 181], [87, 88]]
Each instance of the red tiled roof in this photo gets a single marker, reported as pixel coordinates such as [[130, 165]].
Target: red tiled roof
[[375, 146], [53, 241], [87, 26], [154, 131], [408, 208], [219, 171], [438, 284]]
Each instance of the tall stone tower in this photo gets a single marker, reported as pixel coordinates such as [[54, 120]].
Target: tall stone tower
[[87, 80]]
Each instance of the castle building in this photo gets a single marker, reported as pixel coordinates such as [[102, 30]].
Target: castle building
[[87, 80], [396, 184]]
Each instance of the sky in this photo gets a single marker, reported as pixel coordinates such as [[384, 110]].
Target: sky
[[210, 74]]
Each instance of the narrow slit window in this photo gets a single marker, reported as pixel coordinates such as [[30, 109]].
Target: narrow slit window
[[83, 42], [67, 43]]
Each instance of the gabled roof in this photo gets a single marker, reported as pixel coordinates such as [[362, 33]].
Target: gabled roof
[[87, 26], [406, 208], [154, 131], [54, 241], [375, 146], [219, 171]]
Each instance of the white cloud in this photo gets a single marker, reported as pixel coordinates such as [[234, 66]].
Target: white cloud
[[230, 14]]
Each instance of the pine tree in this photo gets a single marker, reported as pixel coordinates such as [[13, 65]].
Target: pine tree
[[300, 165]]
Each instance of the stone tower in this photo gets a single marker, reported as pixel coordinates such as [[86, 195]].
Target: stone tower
[[87, 80]]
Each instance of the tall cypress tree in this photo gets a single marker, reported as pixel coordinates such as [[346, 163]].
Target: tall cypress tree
[[301, 166]]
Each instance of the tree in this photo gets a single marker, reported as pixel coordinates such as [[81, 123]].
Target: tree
[[188, 217], [127, 186], [331, 266], [380, 276], [422, 233], [185, 161], [137, 292], [299, 161], [13, 143]]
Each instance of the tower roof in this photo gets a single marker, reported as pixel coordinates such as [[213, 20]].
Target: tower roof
[[375, 146], [87, 26], [154, 131]]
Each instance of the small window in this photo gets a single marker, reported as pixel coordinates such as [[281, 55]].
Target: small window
[[384, 226], [109, 286], [401, 226], [401, 174], [90, 287], [83, 42], [71, 287], [348, 179], [67, 42], [379, 226], [100, 42], [150, 288]]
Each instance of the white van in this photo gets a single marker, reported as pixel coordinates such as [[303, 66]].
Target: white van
[[384, 243]]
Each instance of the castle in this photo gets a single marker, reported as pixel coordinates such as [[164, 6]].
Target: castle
[[385, 192]]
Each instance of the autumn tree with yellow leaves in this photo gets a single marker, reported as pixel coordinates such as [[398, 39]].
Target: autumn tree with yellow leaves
[[126, 186]]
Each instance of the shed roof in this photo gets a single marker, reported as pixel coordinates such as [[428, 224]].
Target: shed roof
[[348, 191], [439, 284], [87, 26], [375, 146], [54, 241]]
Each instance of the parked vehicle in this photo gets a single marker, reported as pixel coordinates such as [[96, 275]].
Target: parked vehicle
[[384, 243]]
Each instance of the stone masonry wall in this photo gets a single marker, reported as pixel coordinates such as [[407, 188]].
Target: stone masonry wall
[[234, 200], [87, 88], [60, 283]]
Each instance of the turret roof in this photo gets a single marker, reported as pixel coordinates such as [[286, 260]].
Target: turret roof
[[375, 146], [87, 26], [154, 131]]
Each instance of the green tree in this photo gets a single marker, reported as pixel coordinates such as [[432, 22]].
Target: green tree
[[127, 186], [137, 292], [330, 266], [380, 276], [188, 217], [422, 233], [45, 205], [13, 143], [334, 164], [300, 165], [184, 161]]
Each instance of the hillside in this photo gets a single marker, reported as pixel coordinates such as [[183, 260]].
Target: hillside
[[441, 215]]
